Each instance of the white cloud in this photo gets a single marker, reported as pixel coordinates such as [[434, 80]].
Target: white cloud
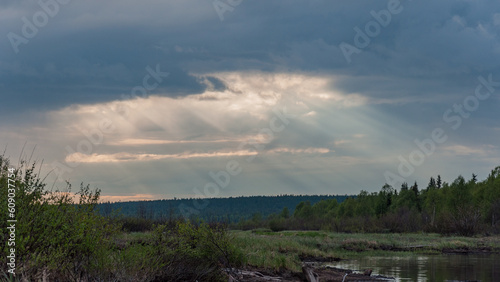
[[461, 150], [133, 157], [233, 115], [141, 142], [301, 151], [262, 88]]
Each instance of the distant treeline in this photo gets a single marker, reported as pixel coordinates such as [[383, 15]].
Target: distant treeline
[[229, 210], [464, 207]]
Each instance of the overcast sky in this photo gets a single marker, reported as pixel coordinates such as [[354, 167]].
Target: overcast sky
[[153, 99]]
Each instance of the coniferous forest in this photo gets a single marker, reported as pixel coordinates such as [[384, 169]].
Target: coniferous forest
[[463, 206], [230, 210]]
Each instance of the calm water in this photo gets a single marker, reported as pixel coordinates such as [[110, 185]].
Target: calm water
[[474, 267]]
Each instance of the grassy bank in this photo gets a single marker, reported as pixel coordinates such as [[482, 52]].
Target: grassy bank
[[287, 249]]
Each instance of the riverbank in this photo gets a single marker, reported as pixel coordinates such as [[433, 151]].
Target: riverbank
[[309, 273], [281, 256], [288, 250]]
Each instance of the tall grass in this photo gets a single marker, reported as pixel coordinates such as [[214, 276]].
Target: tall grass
[[287, 249]]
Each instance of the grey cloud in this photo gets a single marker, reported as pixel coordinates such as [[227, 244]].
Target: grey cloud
[[103, 48]]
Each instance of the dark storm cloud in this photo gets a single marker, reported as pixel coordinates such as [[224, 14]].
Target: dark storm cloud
[[78, 61], [96, 51]]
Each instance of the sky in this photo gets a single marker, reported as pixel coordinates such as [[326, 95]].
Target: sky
[[218, 98]]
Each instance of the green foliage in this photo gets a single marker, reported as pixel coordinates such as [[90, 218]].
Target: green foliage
[[285, 213], [462, 207], [189, 253], [303, 210], [53, 233], [136, 224], [63, 238], [277, 224]]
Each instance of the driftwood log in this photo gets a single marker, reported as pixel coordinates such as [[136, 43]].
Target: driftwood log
[[247, 275], [309, 274]]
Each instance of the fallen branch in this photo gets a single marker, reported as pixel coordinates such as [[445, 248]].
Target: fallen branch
[[245, 274], [309, 273]]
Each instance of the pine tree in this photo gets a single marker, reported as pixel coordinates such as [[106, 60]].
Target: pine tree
[[432, 184]]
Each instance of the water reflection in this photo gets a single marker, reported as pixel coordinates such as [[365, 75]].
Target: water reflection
[[472, 267]]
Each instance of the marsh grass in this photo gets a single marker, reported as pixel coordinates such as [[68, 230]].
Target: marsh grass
[[287, 249]]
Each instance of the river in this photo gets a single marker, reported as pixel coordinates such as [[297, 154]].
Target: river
[[443, 267]]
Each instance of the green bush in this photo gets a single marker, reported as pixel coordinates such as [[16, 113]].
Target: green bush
[[277, 224], [136, 224], [189, 253], [55, 235], [62, 239]]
